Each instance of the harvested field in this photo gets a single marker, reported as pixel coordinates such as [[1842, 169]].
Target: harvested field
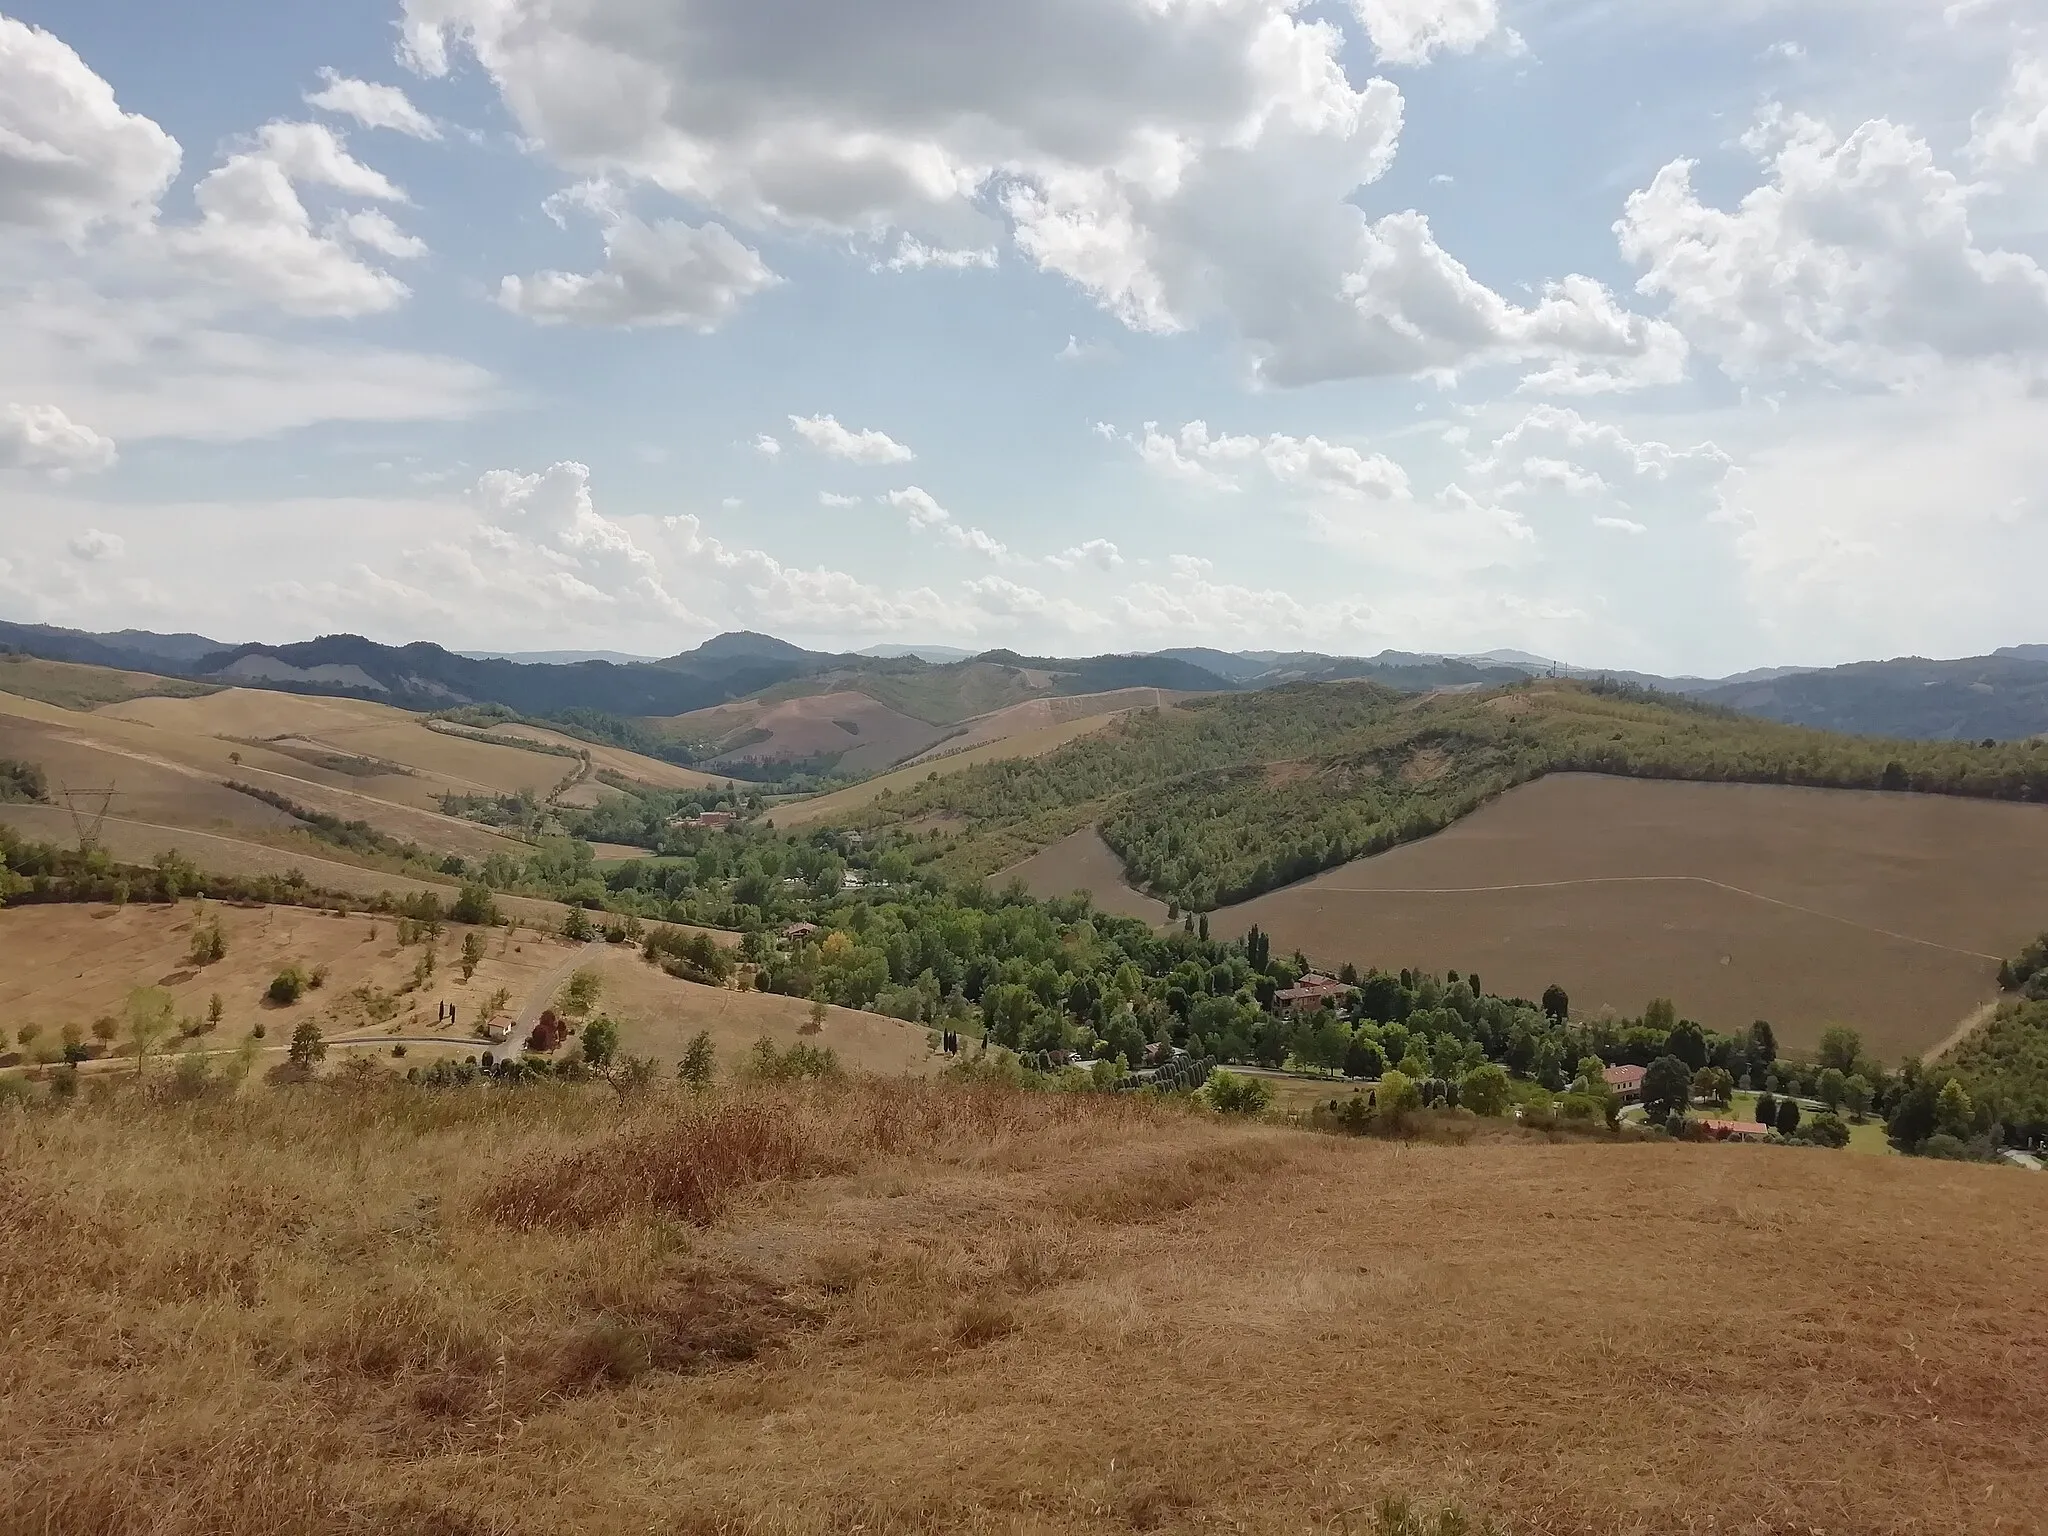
[[657, 1015], [902, 1308], [604, 759], [1035, 717], [69, 685], [1887, 912], [865, 734], [1083, 862]]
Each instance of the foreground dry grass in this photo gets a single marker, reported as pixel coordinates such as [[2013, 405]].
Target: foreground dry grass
[[897, 1306]]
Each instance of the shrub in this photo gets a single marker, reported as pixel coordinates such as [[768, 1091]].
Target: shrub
[[1399, 1093], [699, 1061], [287, 986], [766, 1064], [1827, 1130], [1231, 1093], [1484, 1090]]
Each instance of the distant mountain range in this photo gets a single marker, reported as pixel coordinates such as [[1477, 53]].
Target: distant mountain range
[[2004, 695]]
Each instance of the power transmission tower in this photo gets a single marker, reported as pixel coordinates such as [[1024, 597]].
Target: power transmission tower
[[87, 825]]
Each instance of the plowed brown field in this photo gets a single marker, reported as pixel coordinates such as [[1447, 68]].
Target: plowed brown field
[[1084, 862], [1885, 912]]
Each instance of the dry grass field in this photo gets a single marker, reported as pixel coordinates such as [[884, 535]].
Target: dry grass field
[[1806, 907], [657, 1015], [69, 685], [71, 964], [1035, 717], [869, 735], [896, 1307], [1034, 741]]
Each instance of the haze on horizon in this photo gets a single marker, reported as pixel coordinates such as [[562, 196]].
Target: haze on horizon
[[1687, 338]]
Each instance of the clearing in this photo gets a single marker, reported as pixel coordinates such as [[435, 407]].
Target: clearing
[[897, 1307], [1084, 862], [1887, 912]]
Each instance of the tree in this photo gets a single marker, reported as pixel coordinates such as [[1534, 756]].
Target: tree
[[1557, 1003], [1661, 1015], [1484, 1090], [105, 1028], [576, 926], [699, 1061], [1827, 1131], [1857, 1094], [581, 994], [1763, 1047], [1833, 1087], [475, 905], [152, 1014], [1713, 1085], [287, 986], [216, 1010], [308, 1047], [1953, 1110], [1688, 1042], [600, 1042], [1362, 1058], [1398, 1092], [1233, 1094], [1839, 1048], [1667, 1088], [472, 953], [1766, 1110], [1788, 1116]]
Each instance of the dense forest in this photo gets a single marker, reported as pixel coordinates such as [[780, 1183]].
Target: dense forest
[[1226, 797]]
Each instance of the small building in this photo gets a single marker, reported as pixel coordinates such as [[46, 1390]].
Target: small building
[[707, 820], [796, 933], [1734, 1130], [1310, 993], [1626, 1083], [500, 1028]]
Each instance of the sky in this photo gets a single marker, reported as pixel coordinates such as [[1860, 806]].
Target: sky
[[1690, 336]]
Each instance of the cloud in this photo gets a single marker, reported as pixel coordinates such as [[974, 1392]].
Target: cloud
[[864, 447], [1620, 525], [2014, 131], [1097, 552], [834, 499], [256, 236], [1216, 184], [552, 513], [93, 545], [913, 255], [1079, 351], [768, 447], [374, 106], [1195, 456], [1856, 259], [1409, 31], [665, 273], [42, 437], [927, 515], [754, 586], [70, 158]]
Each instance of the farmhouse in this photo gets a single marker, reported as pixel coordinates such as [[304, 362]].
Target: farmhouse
[[1310, 993], [1626, 1083], [796, 933], [706, 820]]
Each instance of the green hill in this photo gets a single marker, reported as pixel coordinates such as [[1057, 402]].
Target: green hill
[[1230, 796]]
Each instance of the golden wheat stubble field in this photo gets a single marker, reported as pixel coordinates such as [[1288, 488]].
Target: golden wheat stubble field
[[892, 1306], [1807, 907]]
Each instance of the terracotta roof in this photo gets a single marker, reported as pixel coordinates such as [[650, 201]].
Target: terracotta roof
[[1735, 1127], [1625, 1077]]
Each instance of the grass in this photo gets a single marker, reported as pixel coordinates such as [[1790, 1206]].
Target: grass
[[895, 1306], [72, 685]]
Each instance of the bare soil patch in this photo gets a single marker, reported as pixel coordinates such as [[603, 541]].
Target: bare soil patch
[[1084, 862], [1739, 902]]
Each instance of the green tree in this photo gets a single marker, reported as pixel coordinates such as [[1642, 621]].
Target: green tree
[[1661, 1015], [1857, 1094], [1688, 1042], [152, 1015], [581, 994], [1398, 1093], [1788, 1116], [600, 1042], [1953, 1110], [475, 905], [1713, 1085], [1557, 1004], [1827, 1131], [287, 986], [308, 1047], [1833, 1087], [1839, 1048], [472, 953], [699, 1061], [1484, 1090], [1231, 1093], [216, 1010], [1363, 1058], [1667, 1088], [1762, 1047], [1766, 1110]]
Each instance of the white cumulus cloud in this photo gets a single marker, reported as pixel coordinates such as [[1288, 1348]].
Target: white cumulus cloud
[[94, 545], [372, 105], [41, 437], [1197, 456], [552, 513], [2014, 130], [70, 158], [1409, 31], [927, 515], [665, 273], [866, 446]]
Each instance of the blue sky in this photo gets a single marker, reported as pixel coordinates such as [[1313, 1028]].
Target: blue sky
[[1688, 337]]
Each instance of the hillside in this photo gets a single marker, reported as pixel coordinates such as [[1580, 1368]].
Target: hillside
[[2003, 697], [1227, 797], [359, 1306]]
